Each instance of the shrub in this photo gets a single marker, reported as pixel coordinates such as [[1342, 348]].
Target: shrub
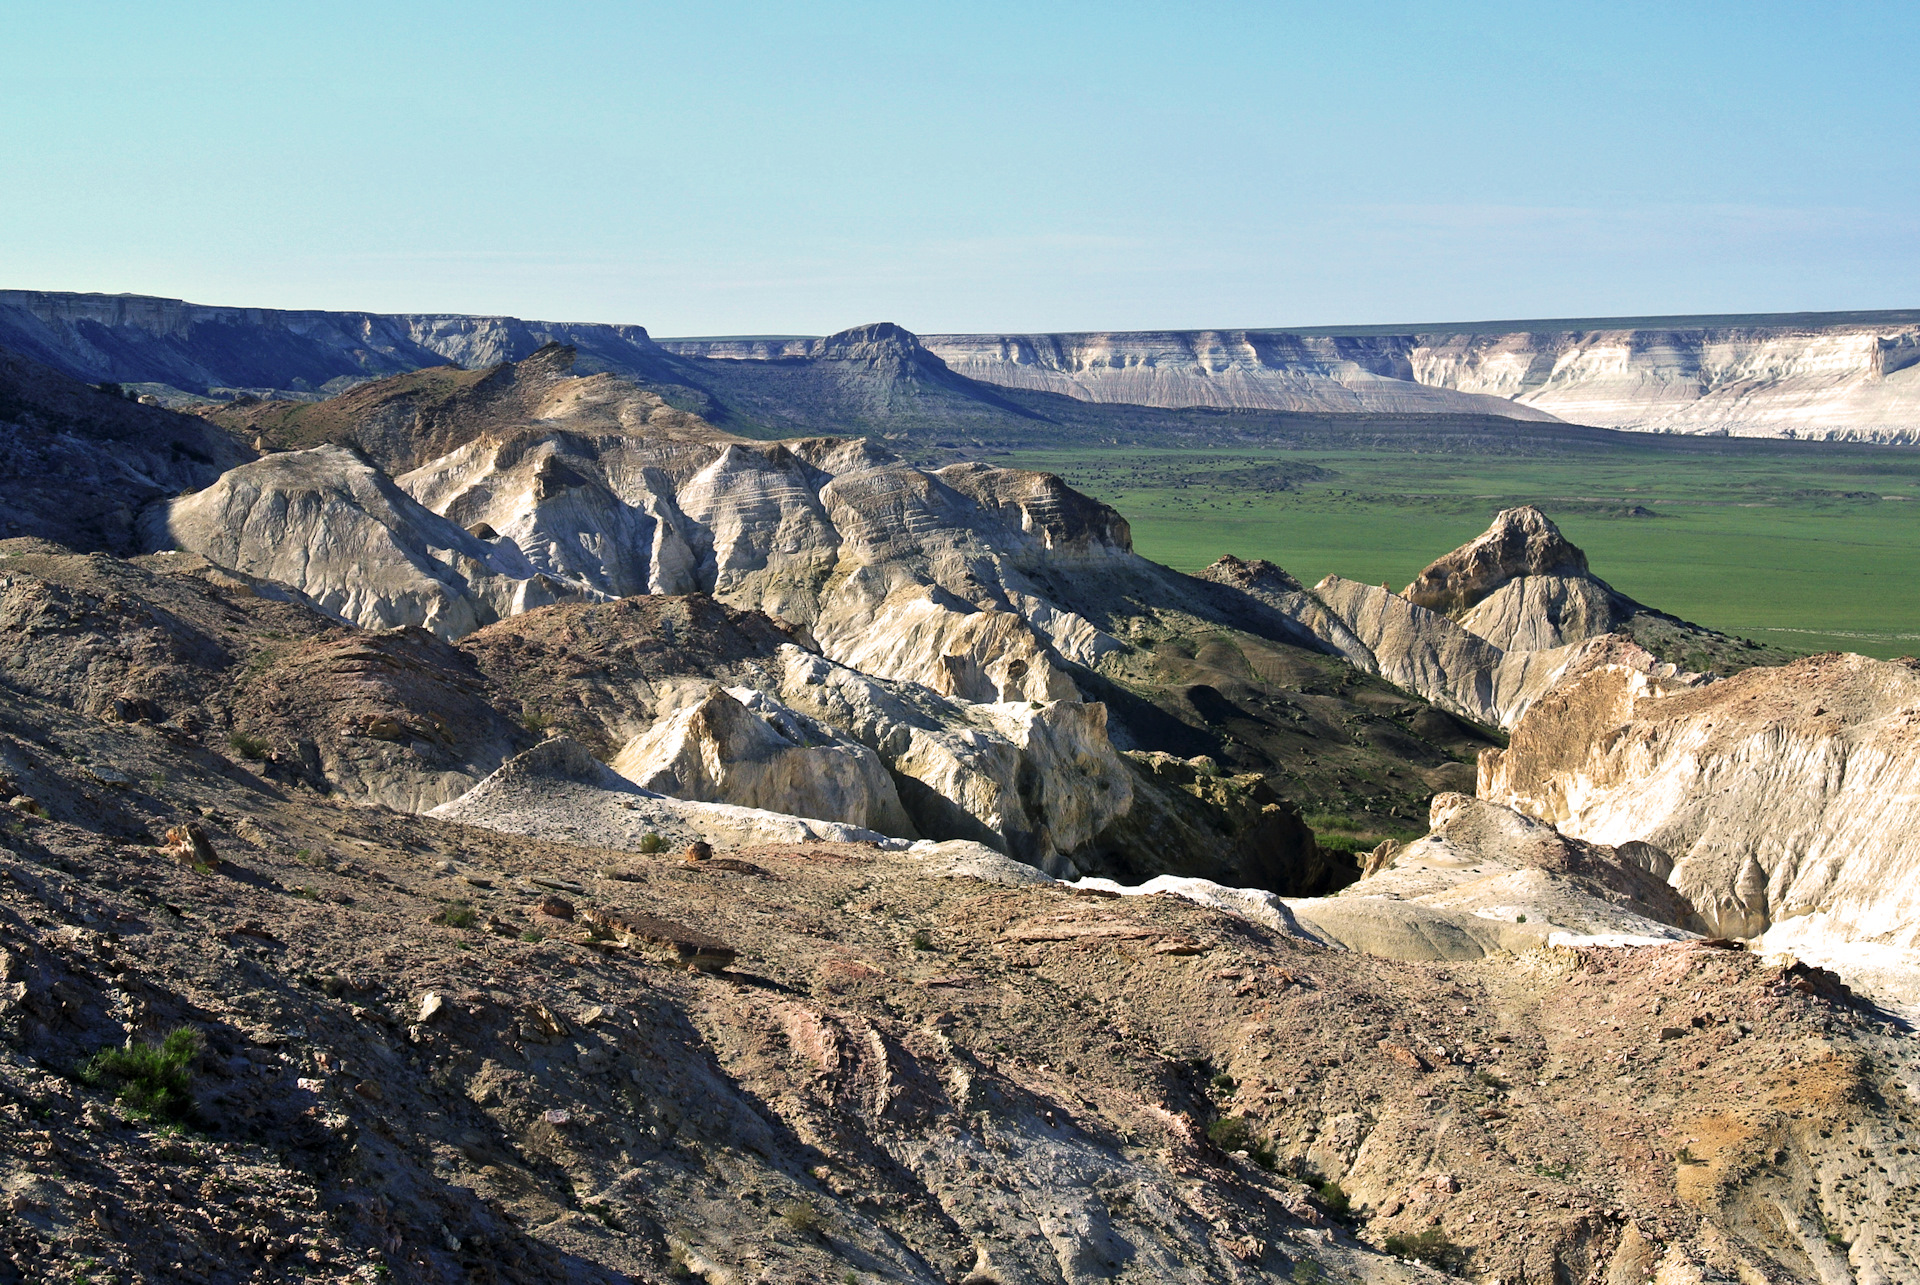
[[153, 1081], [801, 1218], [922, 939], [1233, 1133], [1430, 1246], [457, 914], [247, 747], [1225, 1083], [651, 842], [1333, 1197]]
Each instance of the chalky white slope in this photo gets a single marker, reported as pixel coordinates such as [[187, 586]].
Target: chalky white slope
[[1788, 798]]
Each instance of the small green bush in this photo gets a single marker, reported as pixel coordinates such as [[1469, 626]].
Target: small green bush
[[247, 747], [801, 1218], [153, 1081], [1430, 1246], [922, 939], [651, 842], [1225, 1083], [457, 914], [1233, 1133], [1333, 1197]]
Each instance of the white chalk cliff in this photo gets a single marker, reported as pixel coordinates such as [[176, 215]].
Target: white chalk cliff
[[1788, 799], [1840, 376], [1484, 631]]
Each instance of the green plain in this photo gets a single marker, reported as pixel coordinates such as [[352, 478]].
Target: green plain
[[1807, 546]]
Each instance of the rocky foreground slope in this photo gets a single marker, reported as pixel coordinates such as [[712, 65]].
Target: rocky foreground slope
[[424, 1051]]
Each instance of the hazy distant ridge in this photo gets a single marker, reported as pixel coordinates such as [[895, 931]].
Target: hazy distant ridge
[[1842, 376]]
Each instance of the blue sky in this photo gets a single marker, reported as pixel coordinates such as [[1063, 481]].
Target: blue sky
[[794, 168]]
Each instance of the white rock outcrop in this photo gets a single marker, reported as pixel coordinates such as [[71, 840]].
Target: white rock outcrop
[[1482, 632], [559, 791], [1839, 376], [1037, 780], [1487, 878], [739, 746], [329, 524], [1781, 795]]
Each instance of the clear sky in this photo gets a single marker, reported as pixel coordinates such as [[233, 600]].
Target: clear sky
[[796, 168]]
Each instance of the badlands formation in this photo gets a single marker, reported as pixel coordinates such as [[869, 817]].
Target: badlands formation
[[492, 824]]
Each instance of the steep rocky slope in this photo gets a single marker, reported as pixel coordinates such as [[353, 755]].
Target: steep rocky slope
[[402, 422], [988, 586], [78, 463], [1487, 629], [424, 1052], [1783, 797]]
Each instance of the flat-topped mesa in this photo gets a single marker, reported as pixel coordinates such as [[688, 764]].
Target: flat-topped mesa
[[1521, 542], [876, 341]]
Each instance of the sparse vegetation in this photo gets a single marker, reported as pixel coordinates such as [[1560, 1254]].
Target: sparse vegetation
[[1334, 1199], [247, 747], [1430, 1247], [1224, 1084], [802, 1218], [651, 843], [1235, 1133], [152, 1081], [923, 939], [457, 914]]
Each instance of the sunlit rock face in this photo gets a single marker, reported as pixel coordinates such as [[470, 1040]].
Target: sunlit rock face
[[935, 576], [1780, 794], [741, 747], [1840, 377], [1483, 631]]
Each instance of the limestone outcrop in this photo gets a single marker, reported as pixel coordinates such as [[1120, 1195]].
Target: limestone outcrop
[[333, 526], [1783, 796], [1037, 780], [738, 746], [1484, 630], [1487, 878], [1849, 376], [559, 791]]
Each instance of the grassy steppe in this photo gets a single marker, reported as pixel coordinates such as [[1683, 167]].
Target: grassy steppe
[[1811, 546]]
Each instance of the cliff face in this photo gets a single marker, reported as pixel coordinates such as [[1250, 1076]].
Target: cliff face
[[1840, 376], [196, 348], [1844, 376]]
